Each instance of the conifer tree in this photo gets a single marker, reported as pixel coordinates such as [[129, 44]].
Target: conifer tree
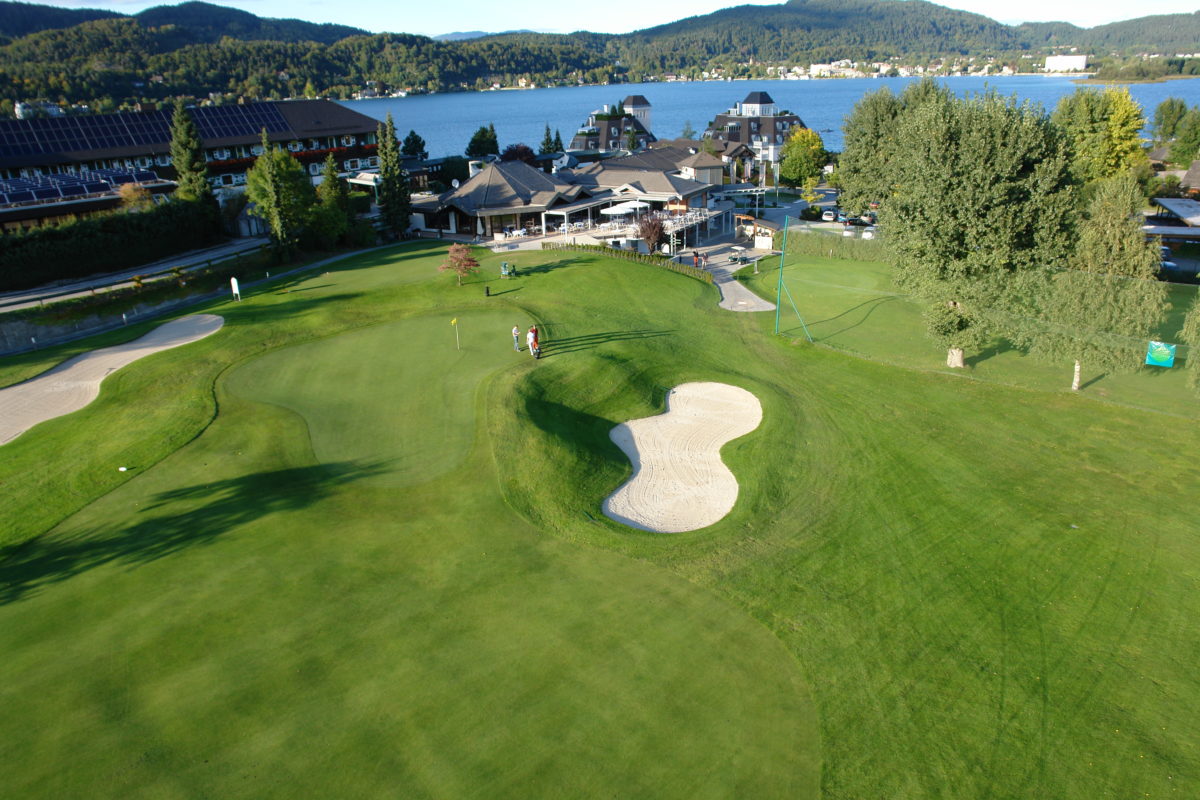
[[558, 142], [414, 146], [547, 145], [187, 156], [395, 201]]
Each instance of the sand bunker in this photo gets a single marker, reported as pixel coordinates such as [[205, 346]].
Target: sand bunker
[[679, 482], [76, 382]]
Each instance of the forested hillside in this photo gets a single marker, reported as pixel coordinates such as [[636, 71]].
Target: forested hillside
[[198, 48]]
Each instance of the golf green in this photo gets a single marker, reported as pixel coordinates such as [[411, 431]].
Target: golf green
[[351, 559]]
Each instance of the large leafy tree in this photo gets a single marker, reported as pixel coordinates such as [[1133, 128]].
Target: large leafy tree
[[1186, 147], [803, 156], [414, 146], [281, 193], [1103, 130], [982, 199], [191, 169], [1102, 307], [1167, 116], [866, 168], [395, 200], [1191, 337], [483, 142]]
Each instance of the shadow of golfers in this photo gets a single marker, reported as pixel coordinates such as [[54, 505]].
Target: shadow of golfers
[[589, 341]]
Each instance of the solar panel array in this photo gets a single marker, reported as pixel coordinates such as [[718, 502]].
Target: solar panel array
[[66, 185], [22, 138]]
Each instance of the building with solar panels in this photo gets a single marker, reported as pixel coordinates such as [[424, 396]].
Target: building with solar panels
[[70, 166]]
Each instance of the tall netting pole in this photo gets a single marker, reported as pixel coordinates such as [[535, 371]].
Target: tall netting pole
[[779, 289]]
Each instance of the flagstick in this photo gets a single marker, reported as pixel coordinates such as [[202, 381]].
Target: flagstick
[[457, 343]]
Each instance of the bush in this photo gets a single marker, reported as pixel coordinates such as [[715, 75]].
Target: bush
[[360, 203], [107, 243], [817, 243], [653, 259]]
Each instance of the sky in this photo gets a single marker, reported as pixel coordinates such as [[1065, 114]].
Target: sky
[[554, 16]]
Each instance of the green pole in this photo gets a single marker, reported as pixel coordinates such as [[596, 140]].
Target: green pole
[[779, 289]]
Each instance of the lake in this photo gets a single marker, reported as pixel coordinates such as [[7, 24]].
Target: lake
[[446, 121]]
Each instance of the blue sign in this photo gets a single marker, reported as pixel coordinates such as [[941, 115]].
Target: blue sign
[[1160, 354]]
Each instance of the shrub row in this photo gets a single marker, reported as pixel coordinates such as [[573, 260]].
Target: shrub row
[[818, 243], [654, 260], [106, 243]]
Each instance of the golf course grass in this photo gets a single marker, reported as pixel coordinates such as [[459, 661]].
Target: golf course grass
[[352, 560]]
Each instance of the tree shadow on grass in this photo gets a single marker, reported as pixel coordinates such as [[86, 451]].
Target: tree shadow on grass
[[990, 351], [873, 305], [592, 340], [522, 271], [172, 522]]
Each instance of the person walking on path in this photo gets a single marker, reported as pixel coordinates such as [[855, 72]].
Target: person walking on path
[[704, 260], [695, 258], [516, 338]]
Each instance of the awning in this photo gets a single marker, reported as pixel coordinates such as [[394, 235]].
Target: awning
[[628, 207]]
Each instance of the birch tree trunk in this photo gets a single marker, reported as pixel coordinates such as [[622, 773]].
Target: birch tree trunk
[[954, 358], [1075, 381]]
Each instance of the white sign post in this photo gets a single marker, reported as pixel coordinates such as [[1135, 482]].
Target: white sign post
[[233, 285]]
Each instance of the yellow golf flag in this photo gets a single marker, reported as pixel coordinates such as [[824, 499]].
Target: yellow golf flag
[[454, 321]]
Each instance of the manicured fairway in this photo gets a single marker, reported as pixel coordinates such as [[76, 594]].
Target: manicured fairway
[[353, 561]]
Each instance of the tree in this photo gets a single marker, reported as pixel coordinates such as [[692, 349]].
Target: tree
[[803, 156], [651, 231], [134, 197], [558, 142], [460, 261], [519, 152], [1167, 116], [281, 192], [483, 143], [1103, 132], [1186, 147], [631, 140], [810, 194], [395, 200], [688, 131], [187, 156], [1191, 337], [328, 221], [982, 200], [1102, 308], [865, 164], [332, 190], [548, 141], [414, 146]]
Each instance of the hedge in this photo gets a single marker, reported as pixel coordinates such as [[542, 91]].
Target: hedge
[[819, 243], [107, 243], [653, 260]]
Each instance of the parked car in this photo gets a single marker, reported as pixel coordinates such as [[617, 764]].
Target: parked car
[[849, 231], [869, 233], [829, 216]]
